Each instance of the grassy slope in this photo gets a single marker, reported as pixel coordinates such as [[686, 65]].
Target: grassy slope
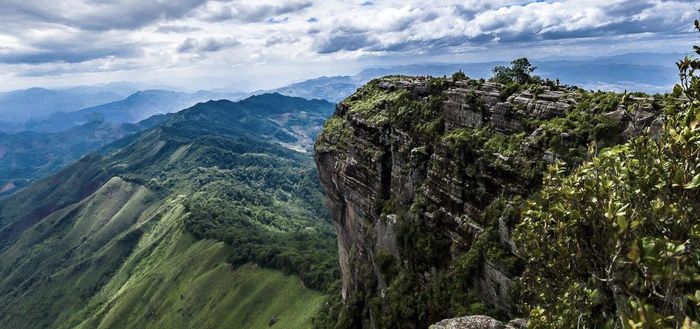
[[172, 280], [144, 270]]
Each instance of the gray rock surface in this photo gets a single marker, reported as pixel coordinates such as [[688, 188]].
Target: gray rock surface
[[470, 322], [479, 322]]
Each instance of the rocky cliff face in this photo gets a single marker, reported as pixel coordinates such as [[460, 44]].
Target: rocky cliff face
[[425, 176]]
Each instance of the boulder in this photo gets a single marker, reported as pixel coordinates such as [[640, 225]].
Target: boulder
[[470, 322], [479, 322]]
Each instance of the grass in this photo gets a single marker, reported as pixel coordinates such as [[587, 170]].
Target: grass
[[173, 280], [138, 268], [371, 103]]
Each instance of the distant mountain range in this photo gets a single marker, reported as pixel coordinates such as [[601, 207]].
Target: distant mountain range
[[28, 155], [292, 122], [333, 89], [50, 110], [134, 108], [38, 103]]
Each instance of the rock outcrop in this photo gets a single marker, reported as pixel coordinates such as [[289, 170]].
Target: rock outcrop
[[420, 174], [478, 322]]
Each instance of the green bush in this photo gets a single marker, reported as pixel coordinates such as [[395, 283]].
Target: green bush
[[616, 244], [459, 75]]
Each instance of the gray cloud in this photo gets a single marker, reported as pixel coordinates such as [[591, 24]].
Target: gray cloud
[[177, 29], [252, 13], [79, 48], [100, 15], [276, 40], [191, 45], [428, 29], [348, 40], [63, 56]]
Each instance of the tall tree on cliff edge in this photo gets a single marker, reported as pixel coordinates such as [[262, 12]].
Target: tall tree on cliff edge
[[520, 71]]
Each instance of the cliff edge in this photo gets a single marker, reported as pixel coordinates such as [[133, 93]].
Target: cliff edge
[[425, 177]]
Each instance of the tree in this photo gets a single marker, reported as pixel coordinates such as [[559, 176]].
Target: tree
[[459, 76], [520, 71]]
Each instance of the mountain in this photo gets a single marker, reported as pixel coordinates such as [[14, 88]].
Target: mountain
[[38, 103], [428, 179], [27, 156], [203, 220], [292, 122], [333, 89], [132, 109], [645, 72]]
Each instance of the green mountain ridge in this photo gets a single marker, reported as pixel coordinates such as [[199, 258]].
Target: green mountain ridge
[[29, 155], [119, 239]]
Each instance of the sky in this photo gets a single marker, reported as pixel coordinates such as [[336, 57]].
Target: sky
[[247, 45]]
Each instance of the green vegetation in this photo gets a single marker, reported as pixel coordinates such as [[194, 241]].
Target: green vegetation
[[335, 133], [500, 170], [371, 102], [163, 228], [520, 71], [271, 223], [630, 215], [459, 75]]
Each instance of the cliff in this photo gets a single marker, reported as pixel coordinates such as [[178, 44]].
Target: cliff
[[425, 178]]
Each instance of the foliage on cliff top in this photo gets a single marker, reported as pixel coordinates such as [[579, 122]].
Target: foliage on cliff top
[[616, 244], [520, 71], [335, 134], [372, 102]]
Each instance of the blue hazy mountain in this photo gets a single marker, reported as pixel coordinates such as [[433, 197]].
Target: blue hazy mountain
[[28, 155], [333, 89], [292, 122], [38, 103], [134, 108]]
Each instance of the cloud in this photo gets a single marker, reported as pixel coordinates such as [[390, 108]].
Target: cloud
[[98, 14], [343, 40], [195, 37], [177, 29], [276, 40], [244, 12], [63, 56], [422, 28], [191, 45], [61, 47]]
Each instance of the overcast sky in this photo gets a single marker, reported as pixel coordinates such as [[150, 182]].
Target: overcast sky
[[253, 44]]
